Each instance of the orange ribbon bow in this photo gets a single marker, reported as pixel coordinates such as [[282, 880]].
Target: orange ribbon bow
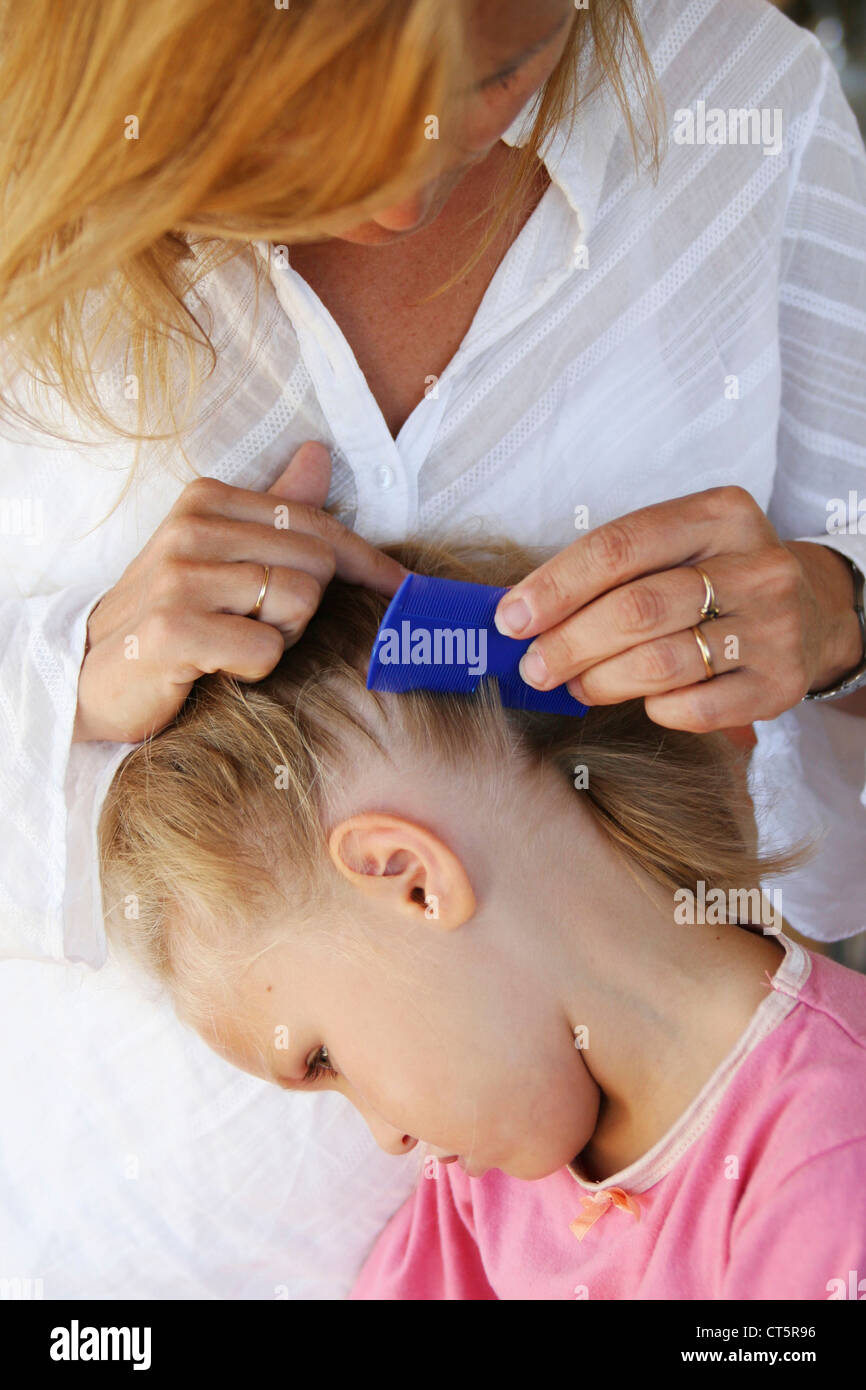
[[595, 1204]]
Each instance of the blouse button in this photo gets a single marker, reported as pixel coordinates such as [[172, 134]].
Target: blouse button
[[385, 475]]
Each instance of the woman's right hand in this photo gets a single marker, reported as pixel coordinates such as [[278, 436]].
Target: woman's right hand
[[181, 608]]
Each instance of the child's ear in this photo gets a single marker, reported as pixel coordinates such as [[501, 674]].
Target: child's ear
[[403, 867]]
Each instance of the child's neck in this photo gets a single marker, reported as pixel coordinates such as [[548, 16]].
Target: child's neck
[[673, 1058]]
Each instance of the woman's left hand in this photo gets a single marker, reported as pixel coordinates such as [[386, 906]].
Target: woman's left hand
[[616, 611]]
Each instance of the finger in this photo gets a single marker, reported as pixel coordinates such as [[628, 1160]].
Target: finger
[[291, 595], [308, 476], [213, 539], [308, 480], [660, 537], [656, 606], [186, 644], [208, 533], [359, 562], [731, 701], [209, 497], [666, 663]]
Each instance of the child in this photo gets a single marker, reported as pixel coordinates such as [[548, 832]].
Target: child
[[474, 923]]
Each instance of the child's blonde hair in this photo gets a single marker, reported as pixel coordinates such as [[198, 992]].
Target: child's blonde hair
[[223, 816]]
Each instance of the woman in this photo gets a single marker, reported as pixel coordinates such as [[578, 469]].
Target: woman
[[679, 348]]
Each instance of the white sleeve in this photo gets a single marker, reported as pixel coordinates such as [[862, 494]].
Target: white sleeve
[[58, 558], [820, 495], [49, 787], [820, 485]]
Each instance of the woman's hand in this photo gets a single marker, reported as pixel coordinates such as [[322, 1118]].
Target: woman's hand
[[616, 610], [181, 608]]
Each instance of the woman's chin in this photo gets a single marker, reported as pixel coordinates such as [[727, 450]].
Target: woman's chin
[[371, 234]]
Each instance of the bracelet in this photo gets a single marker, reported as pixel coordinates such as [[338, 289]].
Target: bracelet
[[856, 678]]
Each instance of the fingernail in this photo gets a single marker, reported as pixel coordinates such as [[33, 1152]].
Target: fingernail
[[533, 668], [512, 618], [575, 688]]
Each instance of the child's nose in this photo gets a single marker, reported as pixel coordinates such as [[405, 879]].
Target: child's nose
[[391, 1140]]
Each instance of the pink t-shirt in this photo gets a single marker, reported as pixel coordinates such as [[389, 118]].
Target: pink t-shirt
[[757, 1192]]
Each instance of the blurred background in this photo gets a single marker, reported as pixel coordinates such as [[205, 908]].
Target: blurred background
[[840, 25]]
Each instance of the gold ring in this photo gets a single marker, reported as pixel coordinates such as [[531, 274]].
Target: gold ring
[[257, 606], [710, 609], [704, 651]]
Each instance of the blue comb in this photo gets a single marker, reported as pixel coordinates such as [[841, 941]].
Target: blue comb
[[438, 634]]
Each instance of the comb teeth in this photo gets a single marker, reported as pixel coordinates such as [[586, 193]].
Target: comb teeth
[[438, 634], [448, 602]]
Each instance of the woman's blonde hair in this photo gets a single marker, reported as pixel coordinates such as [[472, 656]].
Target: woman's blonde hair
[[144, 144], [220, 822]]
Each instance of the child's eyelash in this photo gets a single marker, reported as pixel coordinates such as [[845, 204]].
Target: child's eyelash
[[505, 79], [316, 1068]]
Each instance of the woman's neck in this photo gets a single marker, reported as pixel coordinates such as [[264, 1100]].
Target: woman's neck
[[421, 258], [376, 293]]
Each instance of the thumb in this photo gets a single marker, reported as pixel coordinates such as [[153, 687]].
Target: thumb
[[307, 477]]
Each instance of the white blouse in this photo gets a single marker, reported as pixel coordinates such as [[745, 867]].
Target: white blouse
[[639, 341]]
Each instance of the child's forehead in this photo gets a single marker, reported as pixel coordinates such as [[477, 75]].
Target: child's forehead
[[244, 1021], [237, 1041]]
